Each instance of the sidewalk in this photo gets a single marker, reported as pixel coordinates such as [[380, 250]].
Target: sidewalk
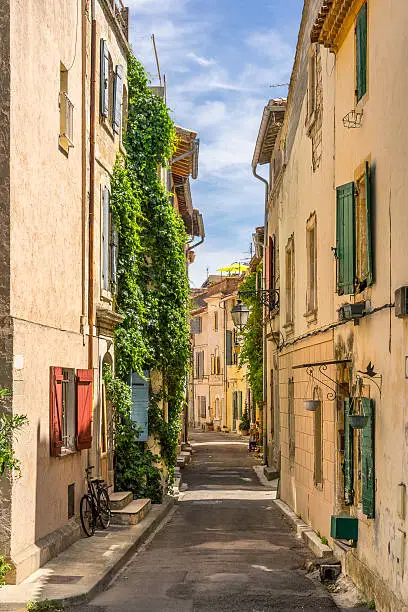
[[87, 566]]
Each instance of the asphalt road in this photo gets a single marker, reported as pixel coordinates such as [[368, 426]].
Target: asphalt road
[[226, 547]]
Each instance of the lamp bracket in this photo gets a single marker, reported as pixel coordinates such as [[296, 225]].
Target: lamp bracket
[[268, 297]]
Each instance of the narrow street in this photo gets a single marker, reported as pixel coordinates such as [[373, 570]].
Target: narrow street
[[225, 547]]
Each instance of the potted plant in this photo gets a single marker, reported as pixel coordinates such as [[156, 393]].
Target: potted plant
[[244, 424], [358, 421], [210, 425], [311, 404]]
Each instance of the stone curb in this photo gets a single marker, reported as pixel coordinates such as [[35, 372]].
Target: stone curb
[[137, 535], [305, 532]]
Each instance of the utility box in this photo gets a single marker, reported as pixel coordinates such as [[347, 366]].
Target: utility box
[[401, 302], [344, 527]]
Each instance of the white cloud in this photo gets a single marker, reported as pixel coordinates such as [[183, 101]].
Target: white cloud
[[201, 61]]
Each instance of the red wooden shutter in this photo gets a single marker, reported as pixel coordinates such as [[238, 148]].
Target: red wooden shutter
[[267, 268], [56, 378], [84, 409]]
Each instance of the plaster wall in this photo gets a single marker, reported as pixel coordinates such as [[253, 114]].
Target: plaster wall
[[381, 338]]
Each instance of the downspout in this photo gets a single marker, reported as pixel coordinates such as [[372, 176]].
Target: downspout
[[84, 161], [91, 308], [264, 355]]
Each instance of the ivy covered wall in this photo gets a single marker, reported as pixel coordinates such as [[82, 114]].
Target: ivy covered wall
[[152, 289]]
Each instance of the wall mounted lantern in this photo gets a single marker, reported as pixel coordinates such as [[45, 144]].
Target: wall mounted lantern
[[240, 314]]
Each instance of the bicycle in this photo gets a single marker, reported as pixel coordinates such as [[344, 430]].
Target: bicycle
[[95, 504]]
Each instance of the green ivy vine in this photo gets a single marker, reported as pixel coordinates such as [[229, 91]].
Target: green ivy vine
[[152, 279], [251, 352]]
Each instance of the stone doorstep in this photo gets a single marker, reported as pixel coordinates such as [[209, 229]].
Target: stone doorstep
[[187, 447], [87, 567], [270, 473], [305, 531], [132, 513], [187, 456], [120, 499], [181, 461]]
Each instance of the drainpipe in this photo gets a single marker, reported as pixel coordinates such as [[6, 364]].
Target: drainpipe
[[84, 169], [91, 306], [264, 352]]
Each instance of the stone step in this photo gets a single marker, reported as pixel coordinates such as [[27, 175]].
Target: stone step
[[187, 456], [120, 499], [133, 513]]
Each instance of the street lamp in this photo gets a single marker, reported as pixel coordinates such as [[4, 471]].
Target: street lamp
[[240, 314]]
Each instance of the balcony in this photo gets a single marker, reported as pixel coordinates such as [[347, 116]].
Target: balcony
[[121, 14]]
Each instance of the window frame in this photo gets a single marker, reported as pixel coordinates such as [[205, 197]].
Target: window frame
[[359, 94], [290, 284], [109, 249], [311, 268]]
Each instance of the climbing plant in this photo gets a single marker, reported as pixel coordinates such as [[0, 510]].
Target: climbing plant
[[251, 352], [10, 426], [152, 280]]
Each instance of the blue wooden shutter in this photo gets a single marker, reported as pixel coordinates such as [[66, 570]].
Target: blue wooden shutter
[[228, 347], [117, 99], [105, 238], [368, 459], [104, 79], [345, 240], [348, 454], [140, 403], [370, 274], [361, 52]]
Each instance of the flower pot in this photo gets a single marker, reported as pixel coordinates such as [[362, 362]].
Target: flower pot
[[244, 432], [358, 421], [311, 405]]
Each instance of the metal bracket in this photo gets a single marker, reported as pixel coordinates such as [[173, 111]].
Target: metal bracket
[[268, 297]]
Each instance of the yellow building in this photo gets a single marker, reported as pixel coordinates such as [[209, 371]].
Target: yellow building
[[335, 373], [219, 391]]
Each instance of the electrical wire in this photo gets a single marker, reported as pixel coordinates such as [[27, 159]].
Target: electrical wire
[[76, 36]]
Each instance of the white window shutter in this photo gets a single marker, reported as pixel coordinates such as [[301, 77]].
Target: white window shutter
[[104, 79]]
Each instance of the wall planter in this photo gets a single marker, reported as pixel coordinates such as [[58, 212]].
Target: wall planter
[[311, 405], [358, 421]]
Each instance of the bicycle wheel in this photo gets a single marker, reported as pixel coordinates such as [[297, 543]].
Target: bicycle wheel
[[104, 509], [86, 514]]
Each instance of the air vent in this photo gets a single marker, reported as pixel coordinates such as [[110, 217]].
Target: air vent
[[401, 302]]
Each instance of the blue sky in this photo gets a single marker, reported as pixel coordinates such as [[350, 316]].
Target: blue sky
[[220, 58]]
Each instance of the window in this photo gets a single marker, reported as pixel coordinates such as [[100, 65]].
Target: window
[[70, 410], [311, 258], [124, 111], [200, 364], [312, 85], [318, 447], [104, 80], [215, 321], [228, 347], [291, 421], [289, 281], [196, 325], [66, 108], [217, 408], [361, 53], [353, 234], [117, 100], [202, 406], [359, 455], [109, 246]]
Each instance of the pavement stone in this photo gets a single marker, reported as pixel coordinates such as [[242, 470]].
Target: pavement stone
[[226, 547]]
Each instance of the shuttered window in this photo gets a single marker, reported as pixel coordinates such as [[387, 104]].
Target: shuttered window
[[354, 235], [291, 421], [228, 347], [105, 238], [84, 409], [140, 403], [348, 470], [368, 459], [104, 79], [56, 443], [117, 100], [361, 52], [345, 238], [235, 406], [239, 399]]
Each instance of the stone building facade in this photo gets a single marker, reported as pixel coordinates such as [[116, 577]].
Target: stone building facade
[[58, 258], [335, 369]]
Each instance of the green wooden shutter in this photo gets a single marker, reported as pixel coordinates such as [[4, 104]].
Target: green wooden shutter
[[361, 52], [228, 347], [368, 459], [345, 240], [348, 454], [239, 404], [370, 274], [235, 405], [114, 260], [140, 404]]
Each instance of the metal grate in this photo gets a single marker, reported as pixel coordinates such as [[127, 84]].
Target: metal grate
[[71, 500]]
